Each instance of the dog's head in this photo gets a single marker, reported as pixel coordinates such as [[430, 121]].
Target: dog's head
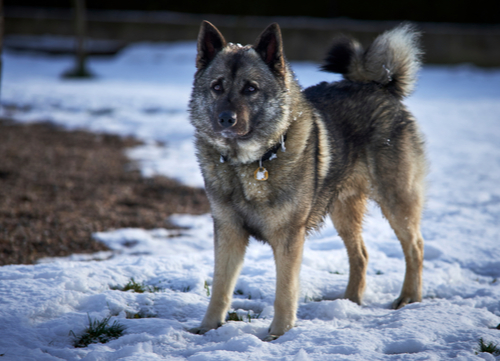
[[239, 101]]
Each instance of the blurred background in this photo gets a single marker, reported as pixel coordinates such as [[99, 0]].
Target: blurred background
[[68, 168], [454, 31]]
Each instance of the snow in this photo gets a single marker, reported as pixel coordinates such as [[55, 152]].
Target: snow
[[144, 92]]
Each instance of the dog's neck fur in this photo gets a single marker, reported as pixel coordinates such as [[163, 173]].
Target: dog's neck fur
[[269, 155]]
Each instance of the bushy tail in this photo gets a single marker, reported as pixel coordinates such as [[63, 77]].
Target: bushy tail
[[392, 60]]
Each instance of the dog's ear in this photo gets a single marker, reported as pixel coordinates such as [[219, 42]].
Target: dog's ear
[[270, 47], [210, 42]]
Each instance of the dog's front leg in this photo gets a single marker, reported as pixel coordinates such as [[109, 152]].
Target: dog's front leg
[[288, 258], [230, 242]]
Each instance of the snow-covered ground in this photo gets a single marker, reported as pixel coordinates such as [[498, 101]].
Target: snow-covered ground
[[144, 92]]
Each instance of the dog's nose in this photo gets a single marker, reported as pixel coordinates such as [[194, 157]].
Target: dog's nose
[[227, 119]]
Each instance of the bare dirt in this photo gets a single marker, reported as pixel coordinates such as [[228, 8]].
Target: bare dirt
[[58, 187]]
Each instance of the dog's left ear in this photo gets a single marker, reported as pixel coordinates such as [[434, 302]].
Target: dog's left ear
[[270, 47], [210, 42]]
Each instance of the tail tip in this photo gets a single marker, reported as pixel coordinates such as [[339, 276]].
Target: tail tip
[[340, 55]]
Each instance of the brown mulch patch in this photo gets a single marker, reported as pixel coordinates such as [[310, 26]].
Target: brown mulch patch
[[58, 187]]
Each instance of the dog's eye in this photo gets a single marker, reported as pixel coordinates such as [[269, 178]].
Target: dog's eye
[[217, 87], [249, 89]]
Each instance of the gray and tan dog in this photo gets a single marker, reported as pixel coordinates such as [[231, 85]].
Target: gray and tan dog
[[277, 159]]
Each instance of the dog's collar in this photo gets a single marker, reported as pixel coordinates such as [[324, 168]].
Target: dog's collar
[[261, 174], [271, 153]]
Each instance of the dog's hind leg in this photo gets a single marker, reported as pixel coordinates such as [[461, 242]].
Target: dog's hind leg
[[347, 216], [230, 245], [403, 214], [288, 257], [400, 194]]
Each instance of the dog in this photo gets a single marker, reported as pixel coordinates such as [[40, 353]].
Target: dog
[[276, 159]]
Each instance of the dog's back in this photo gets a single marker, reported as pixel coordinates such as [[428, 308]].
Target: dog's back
[[369, 127], [374, 82]]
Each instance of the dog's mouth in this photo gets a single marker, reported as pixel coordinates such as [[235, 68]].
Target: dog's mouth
[[234, 135]]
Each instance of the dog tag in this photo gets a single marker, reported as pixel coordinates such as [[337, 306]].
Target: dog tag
[[261, 174]]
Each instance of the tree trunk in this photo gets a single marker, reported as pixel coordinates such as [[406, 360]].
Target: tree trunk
[[80, 70], [1, 44]]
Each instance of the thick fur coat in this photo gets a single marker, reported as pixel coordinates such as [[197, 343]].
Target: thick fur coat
[[277, 159]]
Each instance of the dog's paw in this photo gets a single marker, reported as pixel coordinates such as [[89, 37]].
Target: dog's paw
[[354, 297], [402, 301], [198, 330], [204, 328], [270, 338]]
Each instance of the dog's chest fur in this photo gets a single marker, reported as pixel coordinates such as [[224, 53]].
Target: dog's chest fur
[[240, 178], [253, 190]]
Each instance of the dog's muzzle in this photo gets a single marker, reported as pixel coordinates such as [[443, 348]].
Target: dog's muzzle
[[227, 119]]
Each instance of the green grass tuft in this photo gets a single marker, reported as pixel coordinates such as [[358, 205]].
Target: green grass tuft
[[308, 299], [489, 347], [207, 288], [253, 316], [234, 316], [98, 332], [132, 315], [139, 315], [137, 287]]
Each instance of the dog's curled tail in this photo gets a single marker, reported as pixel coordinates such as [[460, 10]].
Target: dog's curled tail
[[392, 60]]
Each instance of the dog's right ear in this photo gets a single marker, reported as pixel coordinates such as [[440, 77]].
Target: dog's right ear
[[210, 42]]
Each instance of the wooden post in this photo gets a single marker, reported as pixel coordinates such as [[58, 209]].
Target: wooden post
[[80, 70], [1, 44]]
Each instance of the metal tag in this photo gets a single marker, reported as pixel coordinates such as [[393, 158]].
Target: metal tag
[[261, 174]]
